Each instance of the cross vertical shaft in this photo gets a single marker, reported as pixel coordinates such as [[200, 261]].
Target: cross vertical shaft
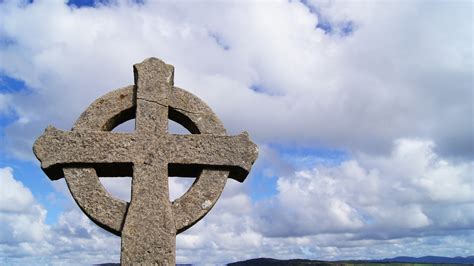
[[149, 233]]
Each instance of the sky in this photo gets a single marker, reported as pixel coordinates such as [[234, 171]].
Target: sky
[[362, 111]]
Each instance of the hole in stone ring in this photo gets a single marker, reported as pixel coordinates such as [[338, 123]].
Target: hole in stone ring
[[183, 120], [176, 128], [181, 179], [127, 126], [120, 118], [118, 187], [116, 178], [178, 185]]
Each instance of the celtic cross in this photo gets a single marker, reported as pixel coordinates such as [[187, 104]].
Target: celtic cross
[[149, 223]]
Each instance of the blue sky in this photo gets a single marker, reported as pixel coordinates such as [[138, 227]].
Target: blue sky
[[362, 112]]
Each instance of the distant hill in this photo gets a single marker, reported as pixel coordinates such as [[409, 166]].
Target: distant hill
[[275, 262], [397, 261], [428, 260], [432, 259]]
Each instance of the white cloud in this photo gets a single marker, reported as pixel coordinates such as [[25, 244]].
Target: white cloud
[[364, 207], [15, 197], [411, 192], [359, 92], [22, 220], [25, 238]]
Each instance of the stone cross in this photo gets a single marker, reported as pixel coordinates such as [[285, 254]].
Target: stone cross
[[149, 223]]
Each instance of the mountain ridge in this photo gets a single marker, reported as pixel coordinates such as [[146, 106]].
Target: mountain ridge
[[405, 260], [469, 260]]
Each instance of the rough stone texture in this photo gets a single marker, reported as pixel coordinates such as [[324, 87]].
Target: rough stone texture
[[149, 223]]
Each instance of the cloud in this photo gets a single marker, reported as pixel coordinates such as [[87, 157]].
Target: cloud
[[18, 197], [358, 92], [364, 207], [22, 219], [25, 238], [409, 193]]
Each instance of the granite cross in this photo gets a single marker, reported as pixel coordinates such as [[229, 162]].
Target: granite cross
[[149, 223]]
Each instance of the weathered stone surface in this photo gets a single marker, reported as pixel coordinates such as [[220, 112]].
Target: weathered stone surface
[[149, 223], [61, 147]]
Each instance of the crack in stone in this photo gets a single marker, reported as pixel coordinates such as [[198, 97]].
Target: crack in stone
[[187, 111], [164, 105], [152, 101]]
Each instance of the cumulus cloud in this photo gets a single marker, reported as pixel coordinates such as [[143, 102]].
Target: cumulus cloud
[[364, 207], [411, 192], [289, 81], [22, 220], [25, 238]]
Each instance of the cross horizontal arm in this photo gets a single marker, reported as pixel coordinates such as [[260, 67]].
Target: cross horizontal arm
[[55, 148], [236, 153]]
